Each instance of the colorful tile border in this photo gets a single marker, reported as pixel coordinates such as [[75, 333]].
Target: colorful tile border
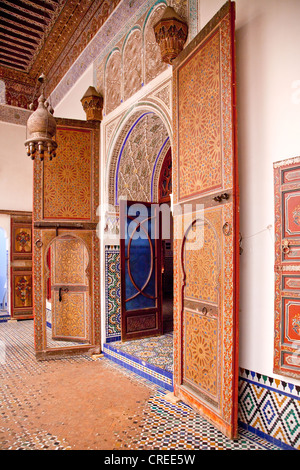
[[271, 408], [112, 293], [154, 374], [268, 408], [4, 317]]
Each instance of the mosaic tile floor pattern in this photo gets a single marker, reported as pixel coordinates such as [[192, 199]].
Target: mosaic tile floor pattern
[[157, 351], [163, 425], [176, 426]]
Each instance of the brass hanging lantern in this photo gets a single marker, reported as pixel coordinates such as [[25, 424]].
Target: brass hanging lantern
[[41, 129]]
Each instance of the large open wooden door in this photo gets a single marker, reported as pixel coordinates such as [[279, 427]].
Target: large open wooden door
[[206, 225], [140, 249], [66, 244]]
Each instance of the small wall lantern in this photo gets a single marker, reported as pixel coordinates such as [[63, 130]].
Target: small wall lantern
[[170, 33], [92, 103]]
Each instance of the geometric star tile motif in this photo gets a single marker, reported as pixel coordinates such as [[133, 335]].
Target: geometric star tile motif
[[163, 424]]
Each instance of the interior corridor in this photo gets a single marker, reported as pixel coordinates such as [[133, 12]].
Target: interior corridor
[[85, 411]]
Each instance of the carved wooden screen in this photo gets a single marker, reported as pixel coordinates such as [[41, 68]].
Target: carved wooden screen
[[21, 268], [66, 197], [287, 267], [206, 224]]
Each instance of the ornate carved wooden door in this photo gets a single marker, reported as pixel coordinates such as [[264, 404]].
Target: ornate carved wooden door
[[21, 268], [70, 315], [287, 268], [140, 249], [66, 196], [206, 223]]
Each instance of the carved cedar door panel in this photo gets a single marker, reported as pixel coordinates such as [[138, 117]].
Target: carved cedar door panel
[[287, 268], [21, 268], [206, 224], [66, 245], [70, 289]]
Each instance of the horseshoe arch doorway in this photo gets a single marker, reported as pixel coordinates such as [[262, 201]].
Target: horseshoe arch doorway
[[141, 172]]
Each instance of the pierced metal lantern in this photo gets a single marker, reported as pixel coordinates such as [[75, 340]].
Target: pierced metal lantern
[[41, 130]]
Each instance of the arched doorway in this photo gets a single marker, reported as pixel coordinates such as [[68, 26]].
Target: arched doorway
[[136, 155], [68, 317]]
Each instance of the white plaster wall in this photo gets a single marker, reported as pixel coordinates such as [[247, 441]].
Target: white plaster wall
[[16, 169], [268, 100], [70, 106]]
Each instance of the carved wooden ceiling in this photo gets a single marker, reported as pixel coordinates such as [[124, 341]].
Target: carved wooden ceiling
[[44, 36]]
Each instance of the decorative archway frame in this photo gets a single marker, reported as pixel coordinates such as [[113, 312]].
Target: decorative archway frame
[[123, 128], [114, 129]]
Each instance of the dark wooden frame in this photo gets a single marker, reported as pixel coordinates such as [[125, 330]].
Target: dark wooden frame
[[125, 335]]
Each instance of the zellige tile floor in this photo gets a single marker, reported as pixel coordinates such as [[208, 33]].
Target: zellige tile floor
[[161, 424]]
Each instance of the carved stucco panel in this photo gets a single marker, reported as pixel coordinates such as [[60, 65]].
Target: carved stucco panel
[[153, 63], [143, 145], [132, 64], [113, 81]]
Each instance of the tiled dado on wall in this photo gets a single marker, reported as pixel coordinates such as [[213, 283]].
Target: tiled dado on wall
[[270, 407], [112, 293]]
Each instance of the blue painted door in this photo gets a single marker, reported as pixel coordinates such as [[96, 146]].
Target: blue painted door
[[140, 249]]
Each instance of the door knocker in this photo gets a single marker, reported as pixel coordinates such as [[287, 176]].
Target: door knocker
[[227, 229], [285, 247], [221, 197], [39, 243]]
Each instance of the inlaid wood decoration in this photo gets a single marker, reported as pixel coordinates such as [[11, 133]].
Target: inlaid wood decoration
[[66, 245], [67, 190], [69, 286], [287, 267], [206, 223], [21, 267]]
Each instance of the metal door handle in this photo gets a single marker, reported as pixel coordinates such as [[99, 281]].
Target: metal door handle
[[62, 289], [220, 197]]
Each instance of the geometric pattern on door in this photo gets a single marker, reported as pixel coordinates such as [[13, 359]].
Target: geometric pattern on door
[[21, 268], [69, 283], [287, 267], [66, 196], [67, 190], [205, 188]]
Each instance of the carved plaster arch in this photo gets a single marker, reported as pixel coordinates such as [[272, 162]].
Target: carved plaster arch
[[132, 62], [153, 64], [122, 134]]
